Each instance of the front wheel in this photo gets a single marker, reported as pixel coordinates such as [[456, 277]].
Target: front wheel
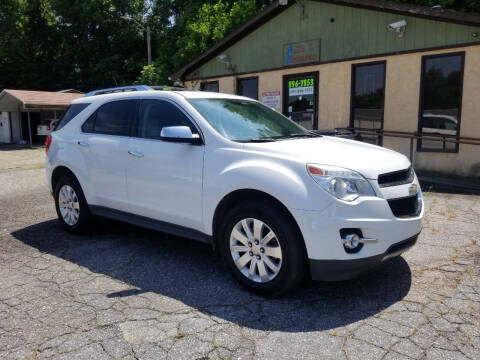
[[263, 248]]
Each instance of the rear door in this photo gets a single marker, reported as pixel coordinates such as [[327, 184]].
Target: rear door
[[164, 179], [103, 143]]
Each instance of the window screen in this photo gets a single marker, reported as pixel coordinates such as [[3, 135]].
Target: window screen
[[114, 118], [248, 87], [368, 89], [157, 114], [442, 81]]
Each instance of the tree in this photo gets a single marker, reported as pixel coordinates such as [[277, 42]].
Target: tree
[[195, 26], [88, 44]]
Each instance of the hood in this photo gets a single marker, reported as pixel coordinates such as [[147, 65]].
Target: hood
[[369, 160]]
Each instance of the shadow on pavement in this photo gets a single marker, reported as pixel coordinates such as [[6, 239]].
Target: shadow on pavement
[[192, 273]]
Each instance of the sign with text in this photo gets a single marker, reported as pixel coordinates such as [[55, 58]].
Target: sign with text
[[299, 87], [301, 52], [271, 99]]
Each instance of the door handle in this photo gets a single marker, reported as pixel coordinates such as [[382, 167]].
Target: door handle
[[82, 143], [135, 153]]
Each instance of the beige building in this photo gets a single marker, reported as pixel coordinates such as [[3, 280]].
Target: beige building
[[23, 111], [404, 77]]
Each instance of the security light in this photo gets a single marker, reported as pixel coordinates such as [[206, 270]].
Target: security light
[[398, 27], [300, 3]]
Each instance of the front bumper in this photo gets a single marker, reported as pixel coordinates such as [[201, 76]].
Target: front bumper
[[372, 216], [338, 270]]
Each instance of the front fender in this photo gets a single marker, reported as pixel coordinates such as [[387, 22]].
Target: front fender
[[284, 183]]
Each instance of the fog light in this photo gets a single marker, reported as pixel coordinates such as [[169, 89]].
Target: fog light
[[351, 241]]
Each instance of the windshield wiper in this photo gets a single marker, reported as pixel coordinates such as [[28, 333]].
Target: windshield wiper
[[282, 137], [260, 140], [300, 135]]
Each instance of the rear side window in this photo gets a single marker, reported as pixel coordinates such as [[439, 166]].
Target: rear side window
[[87, 126], [157, 114], [112, 118], [72, 111]]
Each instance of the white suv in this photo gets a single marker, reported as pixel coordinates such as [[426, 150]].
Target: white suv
[[277, 201]]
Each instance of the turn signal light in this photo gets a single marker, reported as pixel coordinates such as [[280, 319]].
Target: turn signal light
[[313, 170]]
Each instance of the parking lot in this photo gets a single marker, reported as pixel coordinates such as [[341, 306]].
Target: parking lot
[[122, 292]]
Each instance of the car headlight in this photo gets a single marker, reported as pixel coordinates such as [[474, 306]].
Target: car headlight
[[342, 183]]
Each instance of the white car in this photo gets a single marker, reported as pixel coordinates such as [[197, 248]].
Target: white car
[[46, 126], [277, 201]]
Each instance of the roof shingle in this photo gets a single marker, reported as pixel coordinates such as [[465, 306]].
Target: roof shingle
[[42, 98]]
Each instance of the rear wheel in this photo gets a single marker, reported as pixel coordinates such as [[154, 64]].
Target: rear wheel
[[263, 249], [70, 203]]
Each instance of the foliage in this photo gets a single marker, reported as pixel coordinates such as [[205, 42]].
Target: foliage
[[211, 23], [151, 75], [88, 44]]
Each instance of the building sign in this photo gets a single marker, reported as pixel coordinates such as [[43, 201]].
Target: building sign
[[300, 87], [271, 99], [301, 52]]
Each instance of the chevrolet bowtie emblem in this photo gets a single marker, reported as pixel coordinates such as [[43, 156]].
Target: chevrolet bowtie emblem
[[413, 189]]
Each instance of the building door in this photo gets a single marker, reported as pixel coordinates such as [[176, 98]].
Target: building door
[[300, 99], [5, 130]]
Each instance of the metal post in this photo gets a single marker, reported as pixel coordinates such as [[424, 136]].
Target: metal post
[[29, 129], [149, 47], [411, 150], [10, 125]]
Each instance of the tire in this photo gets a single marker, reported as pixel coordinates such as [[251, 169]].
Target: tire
[[71, 206], [289, 264]]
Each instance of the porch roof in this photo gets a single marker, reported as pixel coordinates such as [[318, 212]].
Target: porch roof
[[25, 100]]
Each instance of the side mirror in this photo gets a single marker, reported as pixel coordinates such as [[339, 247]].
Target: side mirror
[[181, 134]]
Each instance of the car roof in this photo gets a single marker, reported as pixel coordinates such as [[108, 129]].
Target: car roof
[[187, 94]]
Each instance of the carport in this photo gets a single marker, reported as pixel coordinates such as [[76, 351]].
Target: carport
[[23, 110]]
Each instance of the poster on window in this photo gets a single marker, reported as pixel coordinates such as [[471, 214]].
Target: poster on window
[[271, 99]]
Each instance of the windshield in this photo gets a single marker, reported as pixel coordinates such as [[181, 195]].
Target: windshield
[[243, 120]]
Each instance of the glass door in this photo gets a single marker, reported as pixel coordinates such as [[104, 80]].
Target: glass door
[[300, 100]]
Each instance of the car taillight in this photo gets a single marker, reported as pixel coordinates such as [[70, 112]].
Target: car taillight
[[48, 128], [48, 142]]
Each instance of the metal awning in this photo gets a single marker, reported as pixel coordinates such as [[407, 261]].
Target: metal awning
[[27, 100]]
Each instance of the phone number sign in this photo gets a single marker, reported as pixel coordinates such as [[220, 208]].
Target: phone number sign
[[301, 87]]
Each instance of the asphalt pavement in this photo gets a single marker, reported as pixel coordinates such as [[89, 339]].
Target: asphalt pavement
[[122, 292]]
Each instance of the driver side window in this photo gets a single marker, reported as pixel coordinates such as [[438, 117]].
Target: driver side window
[[156, 114]]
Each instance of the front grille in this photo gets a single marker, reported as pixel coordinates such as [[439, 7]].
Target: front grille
[[396, 178], [405, 207]]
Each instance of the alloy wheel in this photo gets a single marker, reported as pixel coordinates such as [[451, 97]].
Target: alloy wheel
[[68, 205], [255, 250]]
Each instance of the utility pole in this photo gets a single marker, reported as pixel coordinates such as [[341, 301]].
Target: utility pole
[[149, 46]]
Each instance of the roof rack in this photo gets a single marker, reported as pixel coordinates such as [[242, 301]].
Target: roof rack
[[118, 89], [167, 88], [129, 88]]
